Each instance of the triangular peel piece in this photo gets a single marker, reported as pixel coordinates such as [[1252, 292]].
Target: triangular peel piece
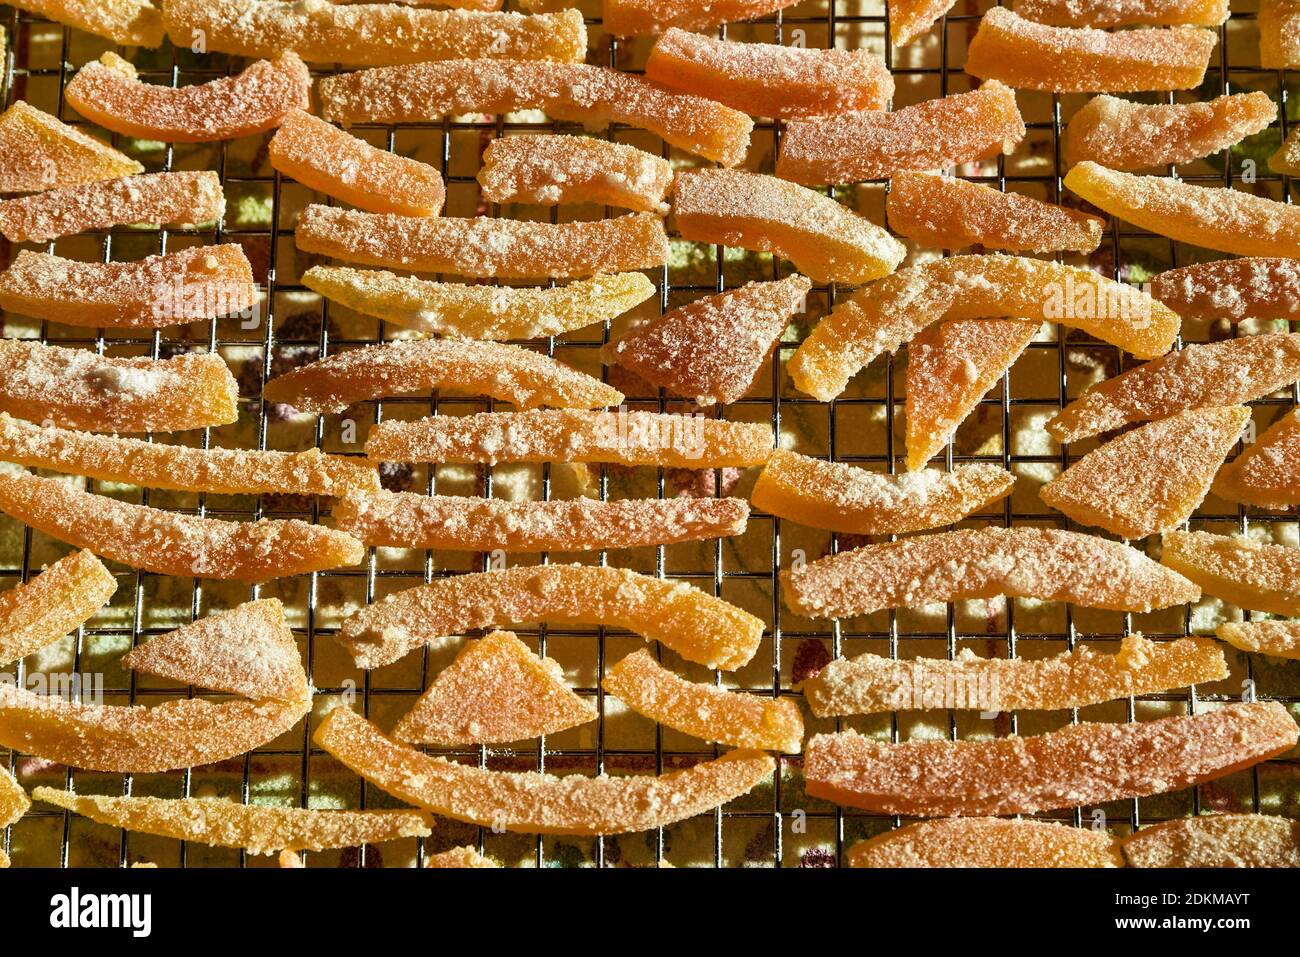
[[56, 601], [908, 19], [1278, 638], [988, 842], [495, 692], [1267, 473], [1217, 840], [38, 152], [1247, 573]]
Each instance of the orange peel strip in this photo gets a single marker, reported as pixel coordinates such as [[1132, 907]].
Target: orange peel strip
[[172, 544], [881, 317], [987, 842], [693, 623], [459, 857], [637, 18], [1217, 840], [13, 805], [1232, 289], [38, 152], [1279, 34], [1265, 473], [1045, 563], [824, 239], [79, 389], [1281, 639], [495, 692], [1105, 14], [128, 22], [537, 803], [547, 170], [1287, 159], [1241, 571], [107, 92], [511, 373], [707, 712], [936, 134], [1082, 765], [908, 19], [58, 600]]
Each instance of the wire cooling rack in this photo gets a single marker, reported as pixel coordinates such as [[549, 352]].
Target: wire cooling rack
[[777, 824]]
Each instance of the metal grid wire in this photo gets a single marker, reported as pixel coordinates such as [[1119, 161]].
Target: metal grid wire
[[777, 825]]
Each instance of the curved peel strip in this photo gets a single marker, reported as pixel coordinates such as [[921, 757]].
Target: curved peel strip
[[1105, 14], [988, 842], [128, 22], [38, 152], [58, 600], [908, 19], [1279, 34], [459, 857], [1217, 840], [637, 18], [1280, 639], [1232, 289], [1238, 570], [551, 169], [1267, 473]]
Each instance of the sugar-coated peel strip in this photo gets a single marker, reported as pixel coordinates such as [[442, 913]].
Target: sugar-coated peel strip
[[108, 92], [825, 240], [908, 19], [1217, 840], [80, 389], [1281, 639], [477, 311], [485, 246], [1239, 570], [1105, 14], [1082, 765], [1279, 34], [38, 152], [845, 498], [708, 712], [1232, 289], [13, 804], [1022, 562], [532, 802], [693, 623], [935, 134], [373, 34], [1033, 56], [636, 18], [496, 691], [459, 857], [170, 543], [470, 523], [987, 842], [256, 829], [128, 22], [1229, 372], [1287, 159], [768, 79], [1123, 135], [573, 435], [1267, 472], [870, 684], [881, 317], [58, 600], [551, 169], [1151, 479], [711, 350], [325, 158], [190, 285]]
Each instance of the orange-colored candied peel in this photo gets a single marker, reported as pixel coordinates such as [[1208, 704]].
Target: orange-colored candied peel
[[39, 152], [460, 523], [1229, 372], [1265, 474], [710, 350], [822, 238], [1123, 135], [193, 284], [13, 805], [881, 317], [466, 311], [908, 19], [1022, 562], [1287, 159], [845, 498], [495, 692], [1105, 14], [693, 623], [951, 366], [768, 79], [1151, 479], [637, 18], [80, 389], [1080, 765], [935, 134], [127, 22], [485, 246], [573, 435], [58, 600], [170, 543], [711, 713], [1217, 840], [576, 92], [943, 212], [1033, 56], [325, 158], [1279, 34], [1232, 289], [1239, 570], [987, 842], [459, 857], [1278, 638], [551, 169], [532, 802]]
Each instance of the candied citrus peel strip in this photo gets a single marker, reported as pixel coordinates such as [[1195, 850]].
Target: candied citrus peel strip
[[881, 317], [908, 19], [936, 134], [13, 805], [550, 169], [1279, 34], [170, 543], [1080, 765], [1022, 562], [537, 803], [495, 692], [1232, 289], [988, 842], [1278, 638], [55, 602], [128, 22], [870, 684], [459, 857], [1265, 474], [711, 713], [1244, 572], [1287, 159], [822, 238], [1217, 840], [38, 152], [696, 625], [635, 18], [1105, 14]]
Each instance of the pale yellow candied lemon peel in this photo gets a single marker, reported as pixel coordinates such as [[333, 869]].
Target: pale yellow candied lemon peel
[[987, 842], [1265, 474], [1232, 289], [128, 22], [1239, 570], [1105, 14], [1279, 34], [57, 601], [38, 152], [909, 19], [459, 857], [635, 18], [551, 169], [1217, 840], [1278, 638]]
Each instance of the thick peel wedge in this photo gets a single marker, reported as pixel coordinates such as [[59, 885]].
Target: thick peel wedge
[[1287, 159], [635, 18], [988, 842], [1247, 573], [908, 19], [1232, 289], [1105, 14], [550, 169], [58, 600], [38, 152], [1266, 473], [128, 22], [1278, 638], [1279, 34], [1217, 840]]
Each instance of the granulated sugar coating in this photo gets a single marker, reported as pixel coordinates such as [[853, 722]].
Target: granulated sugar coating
[[64, 596], [1032, 56], [936, 134], [1080, 765], [1267, 472], [13, 805], [1105, 14], [39, 152], [988, 842], [1232, 289], [1287, 159], [459, 857], [630, 18], [1240, 570], [592, 95], [547, 170], [127, 22], [1280, 639], [1217, 840], [1043, 563], [537, 803], [908, 19], [1279, 34]]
